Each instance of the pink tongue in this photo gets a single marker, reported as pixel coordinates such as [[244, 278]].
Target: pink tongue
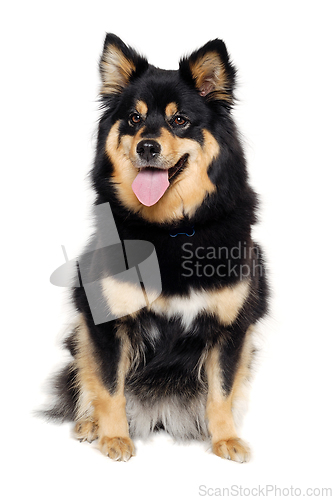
[[150, 185]]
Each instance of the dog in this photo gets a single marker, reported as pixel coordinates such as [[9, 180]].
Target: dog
[[170, 170]]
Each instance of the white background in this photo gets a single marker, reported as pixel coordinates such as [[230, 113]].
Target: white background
[[49, 111]]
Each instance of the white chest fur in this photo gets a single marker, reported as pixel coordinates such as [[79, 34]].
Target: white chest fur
[[128, 298]]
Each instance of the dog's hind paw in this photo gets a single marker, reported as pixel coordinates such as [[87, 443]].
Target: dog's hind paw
[[86, 430]]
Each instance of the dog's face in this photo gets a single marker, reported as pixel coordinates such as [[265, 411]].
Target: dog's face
[[160, 132]]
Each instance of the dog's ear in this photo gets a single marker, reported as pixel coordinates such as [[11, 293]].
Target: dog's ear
[[119, 64], [210, 71]]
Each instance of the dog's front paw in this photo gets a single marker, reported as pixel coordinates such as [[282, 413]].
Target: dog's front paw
[[232, 449], [117, 448], [86, 430]]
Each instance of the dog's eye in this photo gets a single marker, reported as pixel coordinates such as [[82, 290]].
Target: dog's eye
[[135, 118], [179, 121]]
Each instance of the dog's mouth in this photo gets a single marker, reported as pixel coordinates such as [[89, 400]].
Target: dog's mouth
[[173, 172], [151, 182]]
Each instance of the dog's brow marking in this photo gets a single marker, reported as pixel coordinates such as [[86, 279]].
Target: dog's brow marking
[[171, 109], [142, 108]]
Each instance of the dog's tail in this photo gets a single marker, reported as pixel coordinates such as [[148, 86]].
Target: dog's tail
[[65, 394]]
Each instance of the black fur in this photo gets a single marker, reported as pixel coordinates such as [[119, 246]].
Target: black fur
[[170, 365]]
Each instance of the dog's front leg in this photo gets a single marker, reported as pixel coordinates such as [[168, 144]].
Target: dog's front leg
[[227, 366], [101, 410]]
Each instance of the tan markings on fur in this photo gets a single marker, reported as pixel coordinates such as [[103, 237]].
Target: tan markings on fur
[[210, 76], [220, 421], [232, 449], [240, 386], [171, 110], [117, 448], [184, 195], [116, 70], [86, 430], [221, 425], [95, 402], [227, 302], [123, 298], [142, 108], [224, 303], [243, 370], [126, 298]]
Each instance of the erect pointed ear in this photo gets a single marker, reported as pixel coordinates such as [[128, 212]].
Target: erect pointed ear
[[119, 64], [210, 71]]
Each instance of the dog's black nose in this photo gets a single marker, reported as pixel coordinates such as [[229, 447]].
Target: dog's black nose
[[148, 150]]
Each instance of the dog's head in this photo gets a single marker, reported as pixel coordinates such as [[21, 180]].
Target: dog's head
[[166, 137]]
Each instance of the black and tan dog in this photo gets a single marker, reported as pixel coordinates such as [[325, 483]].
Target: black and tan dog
[[170, 164]]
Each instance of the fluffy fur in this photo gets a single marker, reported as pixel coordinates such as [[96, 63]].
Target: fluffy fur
[[179, 363]]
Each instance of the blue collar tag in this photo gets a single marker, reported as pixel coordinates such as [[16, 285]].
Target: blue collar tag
[[187, 231]]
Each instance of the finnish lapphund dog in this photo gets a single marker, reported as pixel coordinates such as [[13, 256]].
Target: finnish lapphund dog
[[171, 170]]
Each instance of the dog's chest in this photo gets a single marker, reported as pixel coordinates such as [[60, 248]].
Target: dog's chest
[[223, 304], [186, 309]]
